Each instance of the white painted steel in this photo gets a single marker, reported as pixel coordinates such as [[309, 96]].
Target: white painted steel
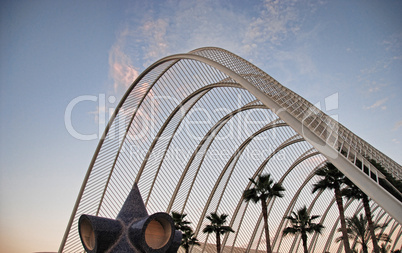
[[201, 78]]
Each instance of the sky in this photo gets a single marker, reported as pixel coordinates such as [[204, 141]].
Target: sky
[[64, 66]]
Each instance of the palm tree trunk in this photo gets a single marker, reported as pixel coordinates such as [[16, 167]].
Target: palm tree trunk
[[218, 242], [304, 239], [370, 223], [338, 198], [365, 250], [364, 245], [265, 215]]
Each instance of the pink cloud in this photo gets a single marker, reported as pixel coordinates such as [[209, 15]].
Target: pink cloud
[[121, 68]]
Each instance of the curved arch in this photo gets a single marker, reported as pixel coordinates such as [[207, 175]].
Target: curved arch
[[371, 188], [297, 242], [308, 154], [205, 69], [130, 122], [303, 157], [233, 160], [288, 142], [197, 95], [238, 151], [289, 210], [207, 141]]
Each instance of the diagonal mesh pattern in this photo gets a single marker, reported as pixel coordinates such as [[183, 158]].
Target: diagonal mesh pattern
[[191, 133]]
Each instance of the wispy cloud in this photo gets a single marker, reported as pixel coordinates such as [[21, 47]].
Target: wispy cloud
[[194, 24], [373, 89], [397, 125], [374, 86], [179, 26], [378, 104], [396, 141], [155, 32], [393, 42], [121, 68], [277, 20], [390, 56]]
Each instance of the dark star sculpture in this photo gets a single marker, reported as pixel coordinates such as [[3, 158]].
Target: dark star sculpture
[[132, 231]]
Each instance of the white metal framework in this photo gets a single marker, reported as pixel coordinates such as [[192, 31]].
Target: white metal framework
[[193, 128]]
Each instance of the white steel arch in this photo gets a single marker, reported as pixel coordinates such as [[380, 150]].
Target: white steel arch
[[185, 107]]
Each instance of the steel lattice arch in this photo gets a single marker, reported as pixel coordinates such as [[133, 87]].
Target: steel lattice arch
[[193, 128]]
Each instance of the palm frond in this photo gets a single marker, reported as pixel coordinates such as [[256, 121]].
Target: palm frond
[[208, 229], [290, 230]]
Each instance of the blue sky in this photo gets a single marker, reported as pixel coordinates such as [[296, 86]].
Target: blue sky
[[53, 52]]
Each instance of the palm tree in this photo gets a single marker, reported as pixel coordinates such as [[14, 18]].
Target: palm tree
[[217, 226], [354, 192], [302, 222], [264, 189], [332, 178], [188, 238], [357, 230], [179, 222]]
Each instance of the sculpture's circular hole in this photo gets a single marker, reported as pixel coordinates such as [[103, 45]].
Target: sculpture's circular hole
[[87, 234], [158, 233]]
